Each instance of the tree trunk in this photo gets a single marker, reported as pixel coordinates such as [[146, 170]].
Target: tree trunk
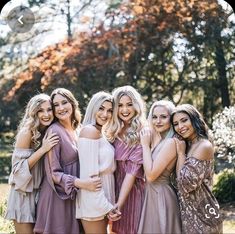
[[69, 21], [221, 66]]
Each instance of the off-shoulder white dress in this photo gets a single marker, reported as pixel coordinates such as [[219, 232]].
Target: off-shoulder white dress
[[25, 185], [96, 157]]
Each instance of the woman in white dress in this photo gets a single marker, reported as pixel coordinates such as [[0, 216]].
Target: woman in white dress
[[96, 156]]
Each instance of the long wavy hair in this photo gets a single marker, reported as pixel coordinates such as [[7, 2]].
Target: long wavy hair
[[170, 108], [76, 115], [137, 122], [30, 120], [198, 123], [93, 107]]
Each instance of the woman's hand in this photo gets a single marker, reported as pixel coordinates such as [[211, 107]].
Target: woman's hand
[[145, 136], [180, 147], [114, 214], [92, 184], [49, 140], [181, 153]]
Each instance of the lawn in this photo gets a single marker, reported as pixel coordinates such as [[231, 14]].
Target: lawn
[[6, 226]]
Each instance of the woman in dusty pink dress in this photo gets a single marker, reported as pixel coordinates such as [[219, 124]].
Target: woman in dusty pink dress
[[198, 206], [128, 120], [27, 164], [56, 206], [160, 212]]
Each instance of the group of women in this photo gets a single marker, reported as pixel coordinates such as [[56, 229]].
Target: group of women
[[115, 169]]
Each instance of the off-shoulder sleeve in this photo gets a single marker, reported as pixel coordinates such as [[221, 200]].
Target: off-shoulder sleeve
[[91, 204], [134, 163], [192, 175], [20, 175], [62, 183]]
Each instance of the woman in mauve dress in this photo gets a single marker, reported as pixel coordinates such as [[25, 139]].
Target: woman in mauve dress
[[198, 206], [56, 206], [128, 120], [160, 212], [27, 168], [96, 156]]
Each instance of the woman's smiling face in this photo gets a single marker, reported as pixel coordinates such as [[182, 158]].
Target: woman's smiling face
[[183, 125], [45, 113], [104, 113], [63, 108], [126, 110], [161, 119]]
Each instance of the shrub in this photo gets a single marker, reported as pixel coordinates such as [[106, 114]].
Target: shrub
[[224, 189], [5, 168], [224, 135]]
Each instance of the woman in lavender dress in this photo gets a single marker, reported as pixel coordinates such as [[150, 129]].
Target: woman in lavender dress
[[195, 172], [56, 207], [160, 212], [27, 169], [128, 120]]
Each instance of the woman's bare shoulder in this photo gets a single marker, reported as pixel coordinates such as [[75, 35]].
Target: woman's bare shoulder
[[90, 132], [205, 150], [24, 137]]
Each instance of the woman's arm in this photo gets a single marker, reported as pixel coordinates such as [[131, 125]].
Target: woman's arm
[[133, 170], [61, 181], [49, 141], [91, 184], [24, 142], [23, 159], [154, 168], [126, 187], [180, 149]]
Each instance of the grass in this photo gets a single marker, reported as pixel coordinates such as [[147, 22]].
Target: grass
[[6, 226], [229, 226]]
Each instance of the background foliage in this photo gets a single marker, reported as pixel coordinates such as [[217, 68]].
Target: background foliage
[[224, 190], [223, 129], [182, 51]]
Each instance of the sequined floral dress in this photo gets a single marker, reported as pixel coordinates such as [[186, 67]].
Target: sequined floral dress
[[196, 198]]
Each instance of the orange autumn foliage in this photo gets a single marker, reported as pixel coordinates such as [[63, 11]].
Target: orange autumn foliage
[[112, 49]]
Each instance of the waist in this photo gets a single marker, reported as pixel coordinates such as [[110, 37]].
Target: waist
[[161, 181]]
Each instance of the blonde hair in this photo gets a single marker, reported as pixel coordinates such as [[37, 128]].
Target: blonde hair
[[170, 108], [30, 120], [94, 105], [138, 121], [76, 115]]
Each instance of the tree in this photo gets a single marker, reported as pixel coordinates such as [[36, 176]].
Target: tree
[[166, 49]]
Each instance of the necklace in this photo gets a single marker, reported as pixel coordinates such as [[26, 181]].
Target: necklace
[[98, 127]]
